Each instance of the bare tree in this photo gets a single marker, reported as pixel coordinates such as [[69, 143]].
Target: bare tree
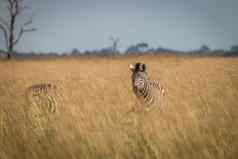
[[115, 42], [8, 26]]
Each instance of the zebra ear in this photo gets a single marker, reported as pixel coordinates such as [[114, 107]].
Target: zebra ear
[[143, 68], [132, 67]]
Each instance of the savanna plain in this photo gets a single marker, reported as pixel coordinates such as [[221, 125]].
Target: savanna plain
[[93, 117]]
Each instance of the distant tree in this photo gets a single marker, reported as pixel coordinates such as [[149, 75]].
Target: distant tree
[[163, 50], [151, 50], [204, 49], [75, 51], [114, 46], [218, 52], [87, 52], [233, 51], [142, 45], [8, 26], [138, 48], [106, 51], [234, 48], [132, 49]]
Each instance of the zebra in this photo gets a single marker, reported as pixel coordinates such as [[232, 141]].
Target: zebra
[[41, 103], [149, 93], [43, 95]]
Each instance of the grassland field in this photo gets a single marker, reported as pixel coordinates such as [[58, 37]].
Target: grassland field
[[93, 118]]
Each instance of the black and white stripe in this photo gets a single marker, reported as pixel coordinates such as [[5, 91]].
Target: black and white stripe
[[43, 95], [149, 93]]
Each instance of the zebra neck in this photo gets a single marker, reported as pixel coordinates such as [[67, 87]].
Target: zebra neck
[[145, 90]]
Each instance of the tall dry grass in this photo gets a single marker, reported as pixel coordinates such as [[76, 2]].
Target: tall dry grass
[[92, 119]]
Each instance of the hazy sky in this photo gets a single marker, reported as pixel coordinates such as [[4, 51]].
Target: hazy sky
[[88, 24]]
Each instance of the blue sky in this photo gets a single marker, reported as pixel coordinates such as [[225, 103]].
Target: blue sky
[[88, 24]]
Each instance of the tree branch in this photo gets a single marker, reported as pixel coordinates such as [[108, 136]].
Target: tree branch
[[30, 21], [3, 22], [5, 33], [10, 6], [21, 34], [24, 30]]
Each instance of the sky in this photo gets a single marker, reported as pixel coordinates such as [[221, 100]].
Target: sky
[[88, 24]]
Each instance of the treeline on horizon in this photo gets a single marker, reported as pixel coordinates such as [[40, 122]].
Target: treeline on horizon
[[138, 49]]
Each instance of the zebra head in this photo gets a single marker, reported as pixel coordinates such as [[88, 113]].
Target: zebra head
[[139, 76], [137, 67]]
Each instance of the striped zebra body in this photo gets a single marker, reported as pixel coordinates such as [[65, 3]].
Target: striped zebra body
[[42, 88], [42, 103], [43, 95], [149, 93]]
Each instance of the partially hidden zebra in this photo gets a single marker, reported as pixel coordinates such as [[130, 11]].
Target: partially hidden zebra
[[43, 95], [149, 93]]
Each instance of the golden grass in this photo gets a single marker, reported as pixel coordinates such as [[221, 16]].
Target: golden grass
[[92, 119]]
